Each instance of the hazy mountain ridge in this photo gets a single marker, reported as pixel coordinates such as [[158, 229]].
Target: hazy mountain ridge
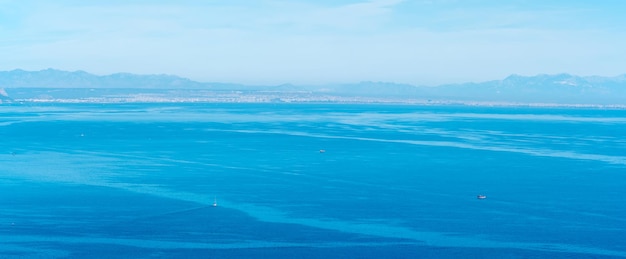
[[52, 78], [559, 88]]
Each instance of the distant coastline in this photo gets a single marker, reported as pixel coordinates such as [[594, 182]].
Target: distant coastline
[[561, 90], [169, 96]]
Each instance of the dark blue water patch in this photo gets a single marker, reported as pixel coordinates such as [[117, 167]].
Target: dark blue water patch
[[373, 251], [94, 215], [39, 208]]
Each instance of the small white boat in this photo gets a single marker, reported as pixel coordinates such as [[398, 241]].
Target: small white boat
[[215, 202], [481, 197]]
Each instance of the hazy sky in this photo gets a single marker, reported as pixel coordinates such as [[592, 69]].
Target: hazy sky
[[317, 41]]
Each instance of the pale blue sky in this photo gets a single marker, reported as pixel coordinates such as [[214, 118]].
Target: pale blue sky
[[419, 42]]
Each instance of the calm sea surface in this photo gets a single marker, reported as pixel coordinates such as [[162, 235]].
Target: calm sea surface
[[311, 181]]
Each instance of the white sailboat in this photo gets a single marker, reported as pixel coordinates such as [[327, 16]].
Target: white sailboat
[[215, 202]]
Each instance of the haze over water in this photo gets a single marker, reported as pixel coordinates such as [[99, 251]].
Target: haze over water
[[311, 181]]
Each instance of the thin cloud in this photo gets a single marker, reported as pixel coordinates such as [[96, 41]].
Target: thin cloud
[[273, 42]]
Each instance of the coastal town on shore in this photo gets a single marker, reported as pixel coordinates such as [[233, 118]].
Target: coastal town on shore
[[200, 96]]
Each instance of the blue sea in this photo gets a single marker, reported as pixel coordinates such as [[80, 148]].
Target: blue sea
[[311, 181]]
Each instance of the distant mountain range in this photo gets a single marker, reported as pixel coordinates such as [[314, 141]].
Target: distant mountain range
[[52, 78], [560, 88]]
